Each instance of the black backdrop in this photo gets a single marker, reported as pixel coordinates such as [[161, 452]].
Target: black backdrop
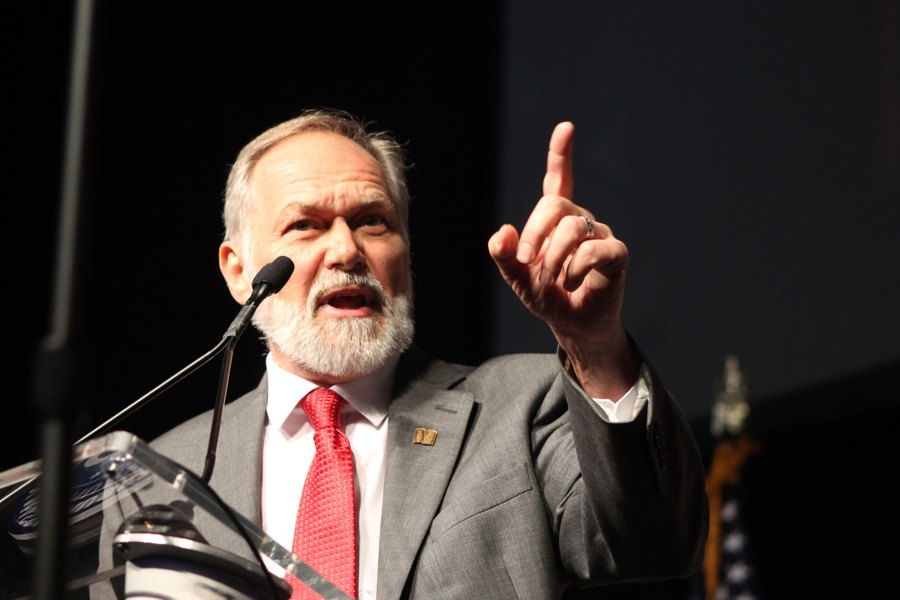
[[177, 90], [474, 88]]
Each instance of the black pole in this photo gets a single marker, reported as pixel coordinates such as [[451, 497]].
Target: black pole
[[61, 363]]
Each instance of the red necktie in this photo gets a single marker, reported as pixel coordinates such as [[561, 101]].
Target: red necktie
[[325, 532]]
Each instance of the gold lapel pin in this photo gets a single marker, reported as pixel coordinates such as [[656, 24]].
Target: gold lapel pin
[[424, 436]]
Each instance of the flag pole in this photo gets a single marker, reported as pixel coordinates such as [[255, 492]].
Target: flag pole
[[733, 447]]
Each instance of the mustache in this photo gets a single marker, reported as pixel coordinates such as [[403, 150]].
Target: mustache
[[340, 279]]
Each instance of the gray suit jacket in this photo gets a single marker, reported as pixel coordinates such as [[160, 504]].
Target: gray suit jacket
[[526, 489]]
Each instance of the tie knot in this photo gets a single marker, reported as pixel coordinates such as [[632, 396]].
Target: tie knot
[[323, 407]]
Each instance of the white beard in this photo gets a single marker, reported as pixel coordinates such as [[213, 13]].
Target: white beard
[[338, 347]]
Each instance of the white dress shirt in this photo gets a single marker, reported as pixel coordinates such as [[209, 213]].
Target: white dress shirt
[[288, 450]]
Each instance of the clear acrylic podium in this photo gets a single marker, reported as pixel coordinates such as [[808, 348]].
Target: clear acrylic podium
[[140, 520]]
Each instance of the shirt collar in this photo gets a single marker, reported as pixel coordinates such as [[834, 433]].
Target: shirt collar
[[369, 395]]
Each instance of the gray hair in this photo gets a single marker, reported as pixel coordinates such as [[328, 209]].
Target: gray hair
[[240, 195]]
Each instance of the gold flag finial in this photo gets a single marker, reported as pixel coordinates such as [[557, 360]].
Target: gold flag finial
[[731, 405]]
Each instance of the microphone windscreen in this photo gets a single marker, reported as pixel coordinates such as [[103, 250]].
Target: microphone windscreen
[[275, 274]]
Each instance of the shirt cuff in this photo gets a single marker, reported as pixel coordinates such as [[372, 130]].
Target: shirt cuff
[[628, 406]]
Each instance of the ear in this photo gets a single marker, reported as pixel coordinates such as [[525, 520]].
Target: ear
[[232, 267]]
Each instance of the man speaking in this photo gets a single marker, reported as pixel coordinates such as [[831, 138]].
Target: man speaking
[[397, 475]]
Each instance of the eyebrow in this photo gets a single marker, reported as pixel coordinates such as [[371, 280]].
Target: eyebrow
[[376, 199]]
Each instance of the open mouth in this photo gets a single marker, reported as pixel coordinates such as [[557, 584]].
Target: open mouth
[[349, 301]]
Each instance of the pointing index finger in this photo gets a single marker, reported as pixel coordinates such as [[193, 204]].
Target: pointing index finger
[[559, 180]]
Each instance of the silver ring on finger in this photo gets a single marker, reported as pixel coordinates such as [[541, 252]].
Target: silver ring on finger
[[590, 227]]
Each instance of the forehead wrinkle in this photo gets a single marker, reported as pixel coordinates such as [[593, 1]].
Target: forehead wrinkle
[[291, 159], [300, 206]]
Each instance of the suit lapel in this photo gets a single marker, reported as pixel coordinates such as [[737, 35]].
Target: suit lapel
[[417, 474], [238, 471]]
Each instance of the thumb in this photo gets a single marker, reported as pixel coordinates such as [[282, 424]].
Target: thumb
[[502, 247]]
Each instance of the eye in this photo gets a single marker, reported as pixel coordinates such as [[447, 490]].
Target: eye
[[373, 222], [302, 225]]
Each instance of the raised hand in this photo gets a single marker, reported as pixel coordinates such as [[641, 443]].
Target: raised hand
[[569, 270]]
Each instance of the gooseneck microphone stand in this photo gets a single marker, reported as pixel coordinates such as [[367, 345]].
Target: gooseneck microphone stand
[[269, 280]]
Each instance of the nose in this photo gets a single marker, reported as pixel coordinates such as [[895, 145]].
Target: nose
[[342, 251]]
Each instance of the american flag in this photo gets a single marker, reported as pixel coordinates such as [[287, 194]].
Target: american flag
[[737, 572], [729, 571]]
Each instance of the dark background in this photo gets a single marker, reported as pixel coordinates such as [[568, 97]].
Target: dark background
[[747, 153]]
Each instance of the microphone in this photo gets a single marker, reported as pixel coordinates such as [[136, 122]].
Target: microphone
[[270, 279]]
